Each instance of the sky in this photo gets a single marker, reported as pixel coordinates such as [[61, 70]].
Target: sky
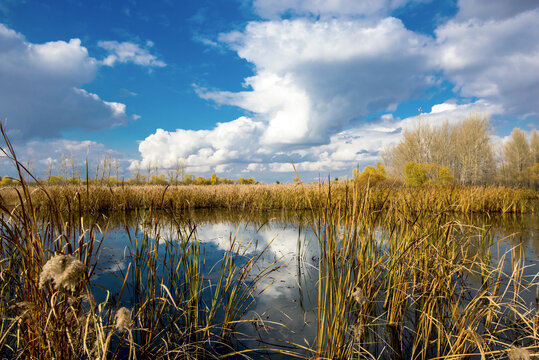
[[246, 88]]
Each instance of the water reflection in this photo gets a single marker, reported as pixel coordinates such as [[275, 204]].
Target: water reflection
[[287, 296]]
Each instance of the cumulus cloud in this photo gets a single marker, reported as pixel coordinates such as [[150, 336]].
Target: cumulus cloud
[[497, 60], [40, 92], [226, 143], [125, 52], [314, 78], [318, 79]]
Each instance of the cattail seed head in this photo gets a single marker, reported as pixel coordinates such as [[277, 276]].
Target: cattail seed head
[[516, 353], [123, 319], [357, 294], [64, 270]]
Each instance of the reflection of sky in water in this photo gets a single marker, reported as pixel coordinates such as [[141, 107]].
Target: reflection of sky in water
[[290, 293]]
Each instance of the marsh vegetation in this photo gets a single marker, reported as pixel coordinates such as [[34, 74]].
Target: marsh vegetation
[[381, 271]]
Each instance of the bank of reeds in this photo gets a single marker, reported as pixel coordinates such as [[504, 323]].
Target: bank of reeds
[[51, 307], [404, 284], [465, 199]]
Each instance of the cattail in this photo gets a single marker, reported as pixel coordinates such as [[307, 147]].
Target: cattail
[[123, 319], [357, 294], [357, 331], [64, 270], [517, 353]]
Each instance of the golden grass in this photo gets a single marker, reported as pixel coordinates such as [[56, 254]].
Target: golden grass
[[47, 301], [394, 274], [398, 284], [465, 199]]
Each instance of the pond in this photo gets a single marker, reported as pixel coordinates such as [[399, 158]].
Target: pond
[[284, 313]]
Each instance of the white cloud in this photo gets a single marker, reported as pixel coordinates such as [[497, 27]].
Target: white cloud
[[315, 78], [124, 52], [497, 60], [452, 112], [40, 91], [228, 142]]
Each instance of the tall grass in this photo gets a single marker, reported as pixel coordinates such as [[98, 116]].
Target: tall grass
[[398, 276], [465, 199], [173, 311], [409, 283]]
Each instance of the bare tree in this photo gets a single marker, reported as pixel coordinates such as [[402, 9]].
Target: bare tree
[[176, 172], [117, 169], [474, 159], [64, 160], [48, 169], [72, 163], [534, 146], [517, 158], [464, 148], [149, 171]]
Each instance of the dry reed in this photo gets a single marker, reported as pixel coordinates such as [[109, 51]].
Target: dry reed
[[465, 199]]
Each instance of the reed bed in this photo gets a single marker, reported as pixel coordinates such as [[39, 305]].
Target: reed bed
[[404, 284], [94, 198], [51, 307], [398, 276]]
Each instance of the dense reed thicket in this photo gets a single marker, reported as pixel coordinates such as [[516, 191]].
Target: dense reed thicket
[[465, 199], [404, 284], [167, 308], [398, 277]]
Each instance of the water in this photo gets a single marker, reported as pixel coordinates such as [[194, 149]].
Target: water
[[286, 300]]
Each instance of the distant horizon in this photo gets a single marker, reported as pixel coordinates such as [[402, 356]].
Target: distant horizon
[[245, 88]]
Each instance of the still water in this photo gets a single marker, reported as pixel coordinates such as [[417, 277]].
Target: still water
[[284, 310]]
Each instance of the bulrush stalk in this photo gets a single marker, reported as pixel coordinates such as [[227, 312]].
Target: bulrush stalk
[[400, 283], [49, 253]]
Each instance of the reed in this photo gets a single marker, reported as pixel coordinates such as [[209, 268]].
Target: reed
[[100, 198], [409, 283], [48, 299]]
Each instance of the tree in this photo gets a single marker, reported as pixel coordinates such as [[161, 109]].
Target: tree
[[248, 181], [188, 179], [117, 169], [371, 175], [416, 175], [464, 148], [6, 180], [517, 158], [444, 176], [136, 176], [474, 159], [176, 172], [416, 146], [534, 146], [158, 180], [48, 169]]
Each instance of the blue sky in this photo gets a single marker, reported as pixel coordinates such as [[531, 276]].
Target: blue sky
[[244, 88]]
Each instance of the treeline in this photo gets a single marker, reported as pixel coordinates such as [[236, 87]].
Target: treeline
[[142, 180], [107, 171], [461, 153]]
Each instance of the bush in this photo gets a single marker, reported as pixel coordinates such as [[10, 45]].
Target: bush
[[371, 175], [416, 174]]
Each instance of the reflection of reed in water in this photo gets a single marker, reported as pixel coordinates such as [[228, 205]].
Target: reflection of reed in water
[[402, 284]]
